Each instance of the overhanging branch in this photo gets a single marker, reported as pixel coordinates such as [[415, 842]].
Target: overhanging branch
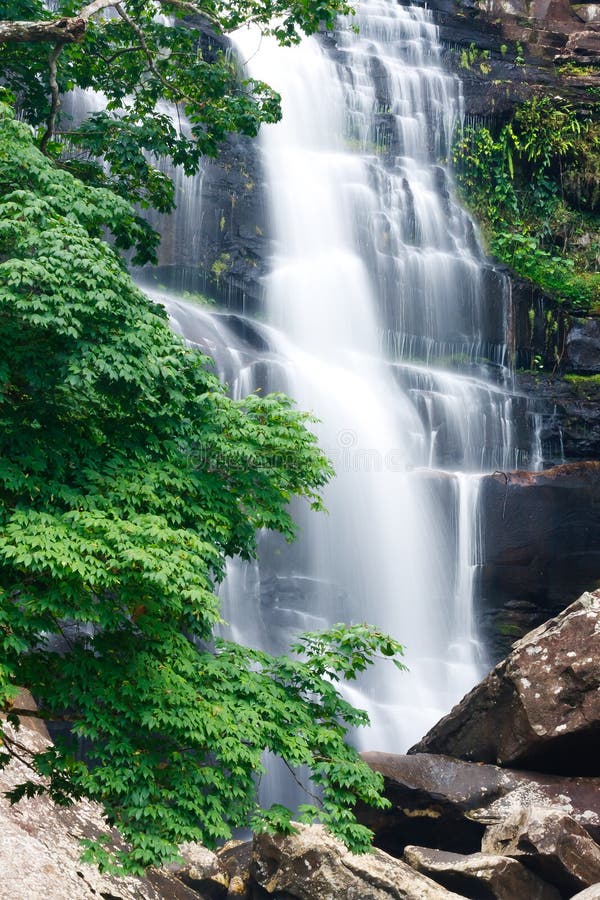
[[66, 30]]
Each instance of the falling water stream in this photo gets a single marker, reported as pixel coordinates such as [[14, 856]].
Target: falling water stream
[[381, 319]]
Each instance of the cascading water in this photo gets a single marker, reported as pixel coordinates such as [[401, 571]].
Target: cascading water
[[380, 322]]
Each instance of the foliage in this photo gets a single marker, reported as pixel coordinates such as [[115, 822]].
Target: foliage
[[527, 186], [577, 69], [127, 477], [471, 55], [583, 380], [155, 62]]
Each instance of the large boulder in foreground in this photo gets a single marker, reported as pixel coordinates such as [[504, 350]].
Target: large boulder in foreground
[[442, 802], [538, 709], [480, 874], [313, 865], [551, 844]]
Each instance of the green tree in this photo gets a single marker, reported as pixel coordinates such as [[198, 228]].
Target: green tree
[[127, 477], [172, 90]]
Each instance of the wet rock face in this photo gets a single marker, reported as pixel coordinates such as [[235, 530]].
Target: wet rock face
[[583, 344], [442, 802], [539, 709], [522, 42], [540, 547], [570, 427], [218, 242]]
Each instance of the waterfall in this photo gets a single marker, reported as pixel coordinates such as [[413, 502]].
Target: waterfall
[[381, 317]]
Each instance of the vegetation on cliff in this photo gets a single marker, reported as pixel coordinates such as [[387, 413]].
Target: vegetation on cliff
[[534, 185]]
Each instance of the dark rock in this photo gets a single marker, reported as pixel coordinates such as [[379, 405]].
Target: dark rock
[[583, 343], [591, 893], [538, 709], [551, 844], [313, 865], [537, 329], [442, 802], [570, 415], [480, 876], [540, 547], [236, 857]]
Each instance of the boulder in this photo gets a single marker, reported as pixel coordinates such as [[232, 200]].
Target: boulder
[[584, 46], [202, 872], [481, 876], [538, 709], [40, 849], [447, 803], [551, 844], [313, 865], [235, 857]]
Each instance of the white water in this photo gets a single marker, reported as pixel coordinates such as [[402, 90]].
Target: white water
[[355, 260], [382, 323]]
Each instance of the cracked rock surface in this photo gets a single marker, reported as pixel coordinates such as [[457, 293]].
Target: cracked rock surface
[[539, 708]]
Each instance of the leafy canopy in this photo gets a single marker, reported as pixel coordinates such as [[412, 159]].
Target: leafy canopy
[[127, 476], [172, 89]]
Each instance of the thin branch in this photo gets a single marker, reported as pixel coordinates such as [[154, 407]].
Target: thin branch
[[194, 9], [150, 56], [55, 93], [300, 785], [110, 59], [10, 746], [95, 7]]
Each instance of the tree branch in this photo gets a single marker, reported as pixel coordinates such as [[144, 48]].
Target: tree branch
[[55, 93], [178, 95], [110, 59], [66, 30], [10, 744]]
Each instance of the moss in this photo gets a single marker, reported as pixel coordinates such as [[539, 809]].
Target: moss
[[578, 70], [583, 380], [198, 298], [220, 265]]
